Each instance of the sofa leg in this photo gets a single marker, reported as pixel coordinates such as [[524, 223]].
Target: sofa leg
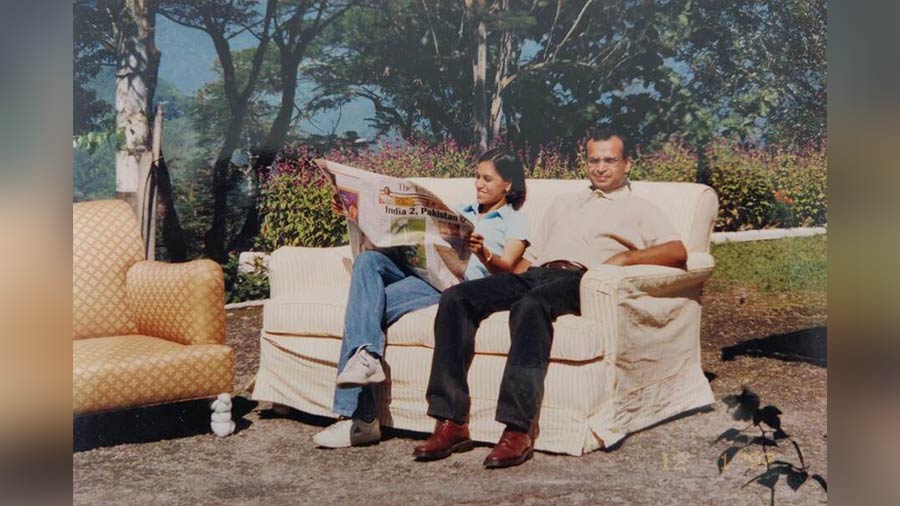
[[221, 423]]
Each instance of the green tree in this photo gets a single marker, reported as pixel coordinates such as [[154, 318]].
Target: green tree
[[222, 20], [755, 69]]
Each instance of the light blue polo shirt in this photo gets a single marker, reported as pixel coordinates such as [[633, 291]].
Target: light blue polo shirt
[[497, 227]]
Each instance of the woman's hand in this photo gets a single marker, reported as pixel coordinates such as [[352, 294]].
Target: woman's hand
[[476, 246], [336, 206]]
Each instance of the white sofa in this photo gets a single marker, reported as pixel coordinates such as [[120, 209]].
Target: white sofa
[[630, 360]]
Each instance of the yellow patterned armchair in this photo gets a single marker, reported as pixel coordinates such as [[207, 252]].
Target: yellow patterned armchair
[[144, 332]]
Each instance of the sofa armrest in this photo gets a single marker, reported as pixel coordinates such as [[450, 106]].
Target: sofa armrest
[[293, 270], [602, 286], [184, 302]]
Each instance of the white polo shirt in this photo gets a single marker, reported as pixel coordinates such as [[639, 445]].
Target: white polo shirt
[[590, 226]]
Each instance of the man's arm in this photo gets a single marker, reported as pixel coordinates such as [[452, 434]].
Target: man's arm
[[669, 254]]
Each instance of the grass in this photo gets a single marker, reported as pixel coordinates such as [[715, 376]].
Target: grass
[[782, 265]]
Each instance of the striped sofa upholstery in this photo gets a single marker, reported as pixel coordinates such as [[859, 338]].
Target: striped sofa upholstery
[[144, 332], [630, 360]]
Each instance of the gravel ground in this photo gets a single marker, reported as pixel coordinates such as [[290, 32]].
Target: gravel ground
[[165, 455]]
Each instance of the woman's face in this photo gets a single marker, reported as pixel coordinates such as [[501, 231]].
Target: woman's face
[[490, 187]]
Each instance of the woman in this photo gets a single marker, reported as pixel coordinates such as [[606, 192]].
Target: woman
[[382, 290]]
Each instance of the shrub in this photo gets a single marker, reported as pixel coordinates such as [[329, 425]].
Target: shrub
[[411, 159], [674, 161], [743, 180], [244, 286], [801, 182], [760, 189], [756, 188], [550, 163], [295, 203]]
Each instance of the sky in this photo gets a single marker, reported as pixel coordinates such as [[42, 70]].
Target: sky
[[187, 62]]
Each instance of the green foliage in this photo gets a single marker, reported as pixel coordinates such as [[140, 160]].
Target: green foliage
[[674, 161], [795, 264], [411, 159], [801, 179], [94, 171], [747, 68], [763, 189], [743, 181], [244, 286], [296, 207]]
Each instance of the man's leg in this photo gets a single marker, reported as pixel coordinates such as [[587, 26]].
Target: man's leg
[[556, 293], [461, 310]]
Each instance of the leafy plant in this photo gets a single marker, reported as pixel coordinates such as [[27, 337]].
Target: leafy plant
[[745, 187], [243, 286], [746, 407], [295, 203], [673, 161]]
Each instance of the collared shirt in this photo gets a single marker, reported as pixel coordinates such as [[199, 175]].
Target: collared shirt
[[497, 227], [590, 226]]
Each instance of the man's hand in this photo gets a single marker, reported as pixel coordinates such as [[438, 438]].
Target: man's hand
[[670, 254], [618, 259]]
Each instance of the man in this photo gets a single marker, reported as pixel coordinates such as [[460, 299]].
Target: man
[[602, 224]]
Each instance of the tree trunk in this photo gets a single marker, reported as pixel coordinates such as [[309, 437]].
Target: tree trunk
[[214, 240], [172, 233], [501, 79], [479, 74], [272, 145], [136, 76]]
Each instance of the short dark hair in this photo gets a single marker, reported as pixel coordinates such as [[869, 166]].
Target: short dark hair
[[510, 169], [605, 133]]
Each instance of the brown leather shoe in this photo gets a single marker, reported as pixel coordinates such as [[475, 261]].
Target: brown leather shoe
[[513, 449], [448, 437]]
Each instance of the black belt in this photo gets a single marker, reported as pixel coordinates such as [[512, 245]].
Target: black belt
[[565, 265]]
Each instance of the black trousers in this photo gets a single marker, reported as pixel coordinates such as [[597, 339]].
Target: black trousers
[[535, 299]]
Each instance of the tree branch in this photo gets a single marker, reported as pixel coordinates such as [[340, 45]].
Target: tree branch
[[572, 29]]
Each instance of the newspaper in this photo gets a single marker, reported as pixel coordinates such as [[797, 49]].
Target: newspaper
[[403, 220]]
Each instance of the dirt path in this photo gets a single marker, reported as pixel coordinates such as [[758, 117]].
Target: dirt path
[[163, 455]]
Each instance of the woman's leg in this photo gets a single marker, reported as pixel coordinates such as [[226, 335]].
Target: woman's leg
[[373, 273], [404, 296], [407, 295]]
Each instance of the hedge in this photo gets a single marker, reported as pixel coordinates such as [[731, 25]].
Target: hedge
[[757, 188]]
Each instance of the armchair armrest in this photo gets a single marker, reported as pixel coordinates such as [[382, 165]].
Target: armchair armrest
[[293, 270], [601, 286], [184, 303]]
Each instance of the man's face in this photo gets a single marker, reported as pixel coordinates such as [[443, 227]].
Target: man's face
[[606, 167]]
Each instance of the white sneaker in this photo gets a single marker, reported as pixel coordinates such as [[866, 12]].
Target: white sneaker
[[362, 368], [345, 433]]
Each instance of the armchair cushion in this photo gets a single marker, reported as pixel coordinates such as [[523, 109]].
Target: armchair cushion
[[136, 370], [184, 303]]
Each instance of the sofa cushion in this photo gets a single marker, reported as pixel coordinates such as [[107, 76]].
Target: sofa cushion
[[321, 313], [135, 370]]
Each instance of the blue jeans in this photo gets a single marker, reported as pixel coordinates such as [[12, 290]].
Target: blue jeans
[[380, 293]]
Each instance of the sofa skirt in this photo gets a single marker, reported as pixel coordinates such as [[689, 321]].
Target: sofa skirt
[[578, 411]]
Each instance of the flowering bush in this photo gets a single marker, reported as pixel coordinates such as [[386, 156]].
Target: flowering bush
[[756, 188], [674, 161], [743, 180], [801, 182], [761, 189], [295, 204], [414, 159]]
